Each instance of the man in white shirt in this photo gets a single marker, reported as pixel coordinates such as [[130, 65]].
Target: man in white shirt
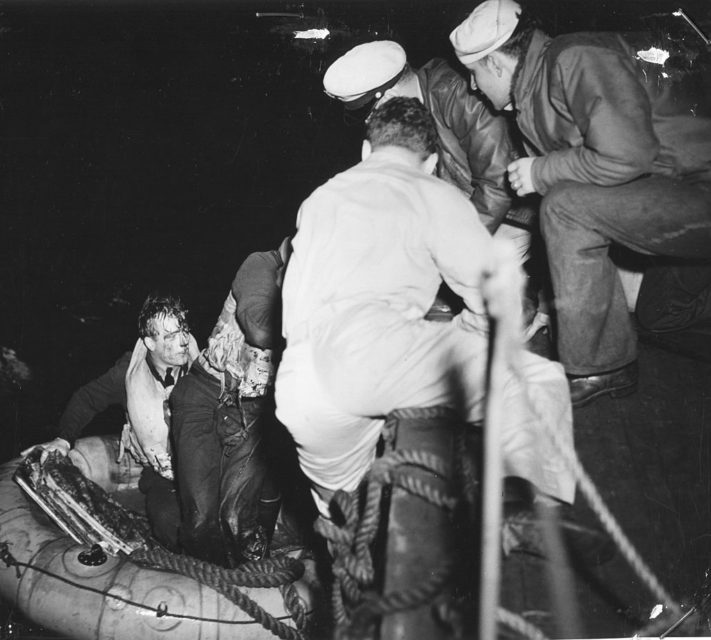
[[372, 247]]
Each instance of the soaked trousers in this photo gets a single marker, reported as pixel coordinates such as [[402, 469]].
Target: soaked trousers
[[221, 472], [162, 508], [654, 215]]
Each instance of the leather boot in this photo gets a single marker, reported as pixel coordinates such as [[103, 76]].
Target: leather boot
[[617, 383]]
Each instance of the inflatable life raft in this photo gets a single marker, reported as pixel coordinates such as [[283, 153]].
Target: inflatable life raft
[[119, 599]]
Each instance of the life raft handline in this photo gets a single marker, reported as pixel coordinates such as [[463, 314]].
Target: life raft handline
[[160, 611]]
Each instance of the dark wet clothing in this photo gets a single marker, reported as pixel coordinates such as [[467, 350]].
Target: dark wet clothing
[[475, 143], [109, 389], [221, 468], [218, 436], [615, 165], [162, 507], [88, 401]]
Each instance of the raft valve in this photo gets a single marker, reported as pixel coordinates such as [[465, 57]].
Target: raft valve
[[93, 557]]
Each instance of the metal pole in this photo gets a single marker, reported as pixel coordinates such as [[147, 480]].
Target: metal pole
[[502, 289]]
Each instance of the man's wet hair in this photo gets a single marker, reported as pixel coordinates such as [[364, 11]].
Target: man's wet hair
[[402, 122], [160, 305]]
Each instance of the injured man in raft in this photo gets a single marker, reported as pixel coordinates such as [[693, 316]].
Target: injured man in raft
[[372, 247]]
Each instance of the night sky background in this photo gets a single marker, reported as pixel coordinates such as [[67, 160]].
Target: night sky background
[[155, 145]]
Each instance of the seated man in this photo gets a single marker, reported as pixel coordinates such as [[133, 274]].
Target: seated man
[[373, 245], [617, 161], [228, 499], [141, 382]]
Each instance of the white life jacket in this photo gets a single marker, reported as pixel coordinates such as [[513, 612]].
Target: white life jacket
[[146, 433]]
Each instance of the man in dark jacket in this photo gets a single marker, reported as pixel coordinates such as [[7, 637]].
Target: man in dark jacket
[[613, 163], [162, 355], [475, 145]]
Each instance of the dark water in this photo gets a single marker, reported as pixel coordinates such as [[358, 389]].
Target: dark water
[[154, 145]]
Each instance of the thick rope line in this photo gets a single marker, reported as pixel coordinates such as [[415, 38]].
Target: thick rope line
[[424, 490], [352, 563], [10, 561], [604, 515], [217, 579], [295, 604], [284, 569], [519, 624]]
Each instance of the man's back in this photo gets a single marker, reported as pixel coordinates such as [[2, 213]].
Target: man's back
[[379, 235]]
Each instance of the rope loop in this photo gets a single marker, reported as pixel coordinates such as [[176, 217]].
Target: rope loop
[[226, 582], [352, 531]]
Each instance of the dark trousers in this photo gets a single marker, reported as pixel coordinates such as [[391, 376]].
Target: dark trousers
[[653, 215], [221, 468], [162, 508]]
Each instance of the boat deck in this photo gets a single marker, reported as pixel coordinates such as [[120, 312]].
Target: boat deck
[[649, 455], [201, 130]]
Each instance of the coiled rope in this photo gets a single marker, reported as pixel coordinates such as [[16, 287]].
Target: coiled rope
[[276, 572], [353, 601]]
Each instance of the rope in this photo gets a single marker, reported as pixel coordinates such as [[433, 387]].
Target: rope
[[226, 581], [519, 624], [160, 611], [598, 505], [350, 542], [294, 604]]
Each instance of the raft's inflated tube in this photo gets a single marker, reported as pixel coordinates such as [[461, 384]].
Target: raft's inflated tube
[[77, 604]]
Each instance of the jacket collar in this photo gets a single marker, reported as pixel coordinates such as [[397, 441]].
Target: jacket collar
[[528, 66], [176, 372]]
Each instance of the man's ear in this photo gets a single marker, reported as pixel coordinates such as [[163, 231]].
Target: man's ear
[[365, 150], [494, 63], [499, 63], [150, 343], [430, 164]]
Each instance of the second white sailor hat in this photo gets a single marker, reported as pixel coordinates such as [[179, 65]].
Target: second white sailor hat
[[485, 29], [365, 71]]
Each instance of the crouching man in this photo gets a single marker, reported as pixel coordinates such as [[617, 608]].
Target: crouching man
[[372, 247], [229, 499]]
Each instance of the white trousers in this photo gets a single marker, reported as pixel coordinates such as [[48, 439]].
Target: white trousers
[[333, 395], [519, 237]]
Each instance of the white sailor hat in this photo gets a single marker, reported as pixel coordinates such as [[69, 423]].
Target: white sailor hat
[[365, 71], [485, 29]]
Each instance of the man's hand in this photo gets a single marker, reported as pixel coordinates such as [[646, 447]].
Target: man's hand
[[58, 444], [520, 176]]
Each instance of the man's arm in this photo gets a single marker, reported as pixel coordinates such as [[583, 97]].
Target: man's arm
[[93, 398], [459, 244], [88, 401], [485, 139], [610, 108]]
